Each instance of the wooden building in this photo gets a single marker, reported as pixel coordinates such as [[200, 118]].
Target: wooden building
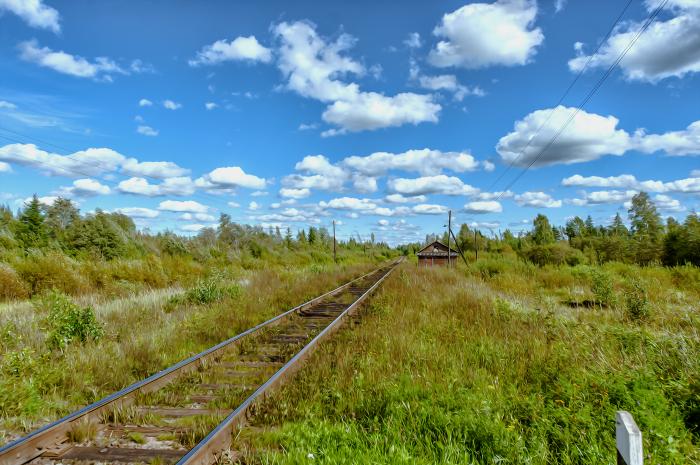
[[436, 254]]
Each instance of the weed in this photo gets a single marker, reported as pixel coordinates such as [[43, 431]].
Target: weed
[[136, 437], [82, 431], [602, 288], [67, 322], [636, 300]]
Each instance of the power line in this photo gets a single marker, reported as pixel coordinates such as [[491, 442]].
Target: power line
[[590, 94], [564, 95]]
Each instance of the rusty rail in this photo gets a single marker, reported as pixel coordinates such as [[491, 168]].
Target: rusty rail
[[220, 437], [34, 444]]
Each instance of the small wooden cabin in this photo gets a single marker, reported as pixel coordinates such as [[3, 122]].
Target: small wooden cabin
[[436, 254]]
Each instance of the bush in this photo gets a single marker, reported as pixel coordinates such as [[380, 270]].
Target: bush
[[637, 303], [602, 288], [554, 254], [11, 286], [66, 322], [204, 292], [51, 271]]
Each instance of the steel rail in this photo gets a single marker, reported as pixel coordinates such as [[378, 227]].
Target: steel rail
[[35, 443], [220, 438]]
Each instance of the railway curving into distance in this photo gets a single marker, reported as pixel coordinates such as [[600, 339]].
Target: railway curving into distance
[[189, 412]]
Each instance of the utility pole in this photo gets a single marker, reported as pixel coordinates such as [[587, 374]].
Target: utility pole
[[449, 230], [334, 259], [476, 247]]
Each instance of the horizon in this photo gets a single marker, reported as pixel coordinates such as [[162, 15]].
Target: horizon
[[295, 116]]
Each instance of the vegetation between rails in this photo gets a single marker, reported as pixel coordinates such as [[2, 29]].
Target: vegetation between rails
[[471, 367]]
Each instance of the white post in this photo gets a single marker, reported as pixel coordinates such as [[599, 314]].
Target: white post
[[628, 439]]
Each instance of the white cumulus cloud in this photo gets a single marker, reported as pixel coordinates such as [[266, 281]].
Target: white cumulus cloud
[[487, 34], [537, 199], [669, 48], [146, 130], [238, 49], [34, 12], [185, 206], [229, 177], [138, 212], [483, 206], [439, 184]]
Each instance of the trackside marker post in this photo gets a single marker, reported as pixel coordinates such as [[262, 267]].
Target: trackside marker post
[[628, 439]]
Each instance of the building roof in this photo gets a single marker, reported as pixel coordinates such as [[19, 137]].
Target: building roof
[[436, 249]]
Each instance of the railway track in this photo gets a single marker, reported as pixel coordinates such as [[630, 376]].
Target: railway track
[[188, 413]]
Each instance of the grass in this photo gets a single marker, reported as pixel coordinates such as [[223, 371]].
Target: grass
[[479, 367], [40, 382]]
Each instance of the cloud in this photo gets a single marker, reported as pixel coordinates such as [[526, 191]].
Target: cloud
[[537, 199], [319, 173], [102, 68], [186, 206], [239, 49], [628, 181], [171, 105], [144, 102], [33, 12], [233, 204], [89, 162], [349, 203], [674, 143], [413, 40], [307, 127], [210, 105], [197, 217], [295, 193], [666, 203], [230, 177], [481, 34], [5, 105], [370, 110], [398, 198], [170, 186], [153, 169], [589, 136], [603, 197], [667, 49], [423, 161], [4, 167], [444, 82], [147, 131], [194, 227], [85, 188], [252, 206], [559, 5], [313, 68], [440, 184], [429, 209], [138, 212], [483, 206]]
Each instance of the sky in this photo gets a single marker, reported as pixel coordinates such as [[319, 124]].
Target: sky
[[380, 117]]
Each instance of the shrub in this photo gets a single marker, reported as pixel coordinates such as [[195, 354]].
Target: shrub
[[66, 322], [204, 292], [602, 288], [51, 271], [637, 303], [11, 286], [554, 254]]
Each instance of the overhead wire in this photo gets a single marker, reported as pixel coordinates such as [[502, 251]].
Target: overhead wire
[[564, 95], [596, 87]]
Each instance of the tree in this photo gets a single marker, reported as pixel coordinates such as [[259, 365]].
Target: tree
[[31, 231], [575, 229], [313, 235], [647, 229], [61, 215], [542, 233], [98, 236]]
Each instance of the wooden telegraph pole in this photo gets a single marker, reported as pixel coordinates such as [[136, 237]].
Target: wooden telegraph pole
[[449, 231], [334, 258]]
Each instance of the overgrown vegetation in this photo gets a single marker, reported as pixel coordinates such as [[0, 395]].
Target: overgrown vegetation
[[45, 248], [460, 366]]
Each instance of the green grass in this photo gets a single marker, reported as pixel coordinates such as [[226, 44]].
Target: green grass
[[40, 381], [461, 367]]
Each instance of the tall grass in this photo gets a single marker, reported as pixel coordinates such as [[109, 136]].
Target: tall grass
[[449, 367], [40, 380]]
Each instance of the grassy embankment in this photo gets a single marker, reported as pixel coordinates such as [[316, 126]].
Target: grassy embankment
[[46, 371], [501, 362]]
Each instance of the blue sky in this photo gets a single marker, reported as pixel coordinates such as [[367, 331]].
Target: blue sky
[[379, 117]]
